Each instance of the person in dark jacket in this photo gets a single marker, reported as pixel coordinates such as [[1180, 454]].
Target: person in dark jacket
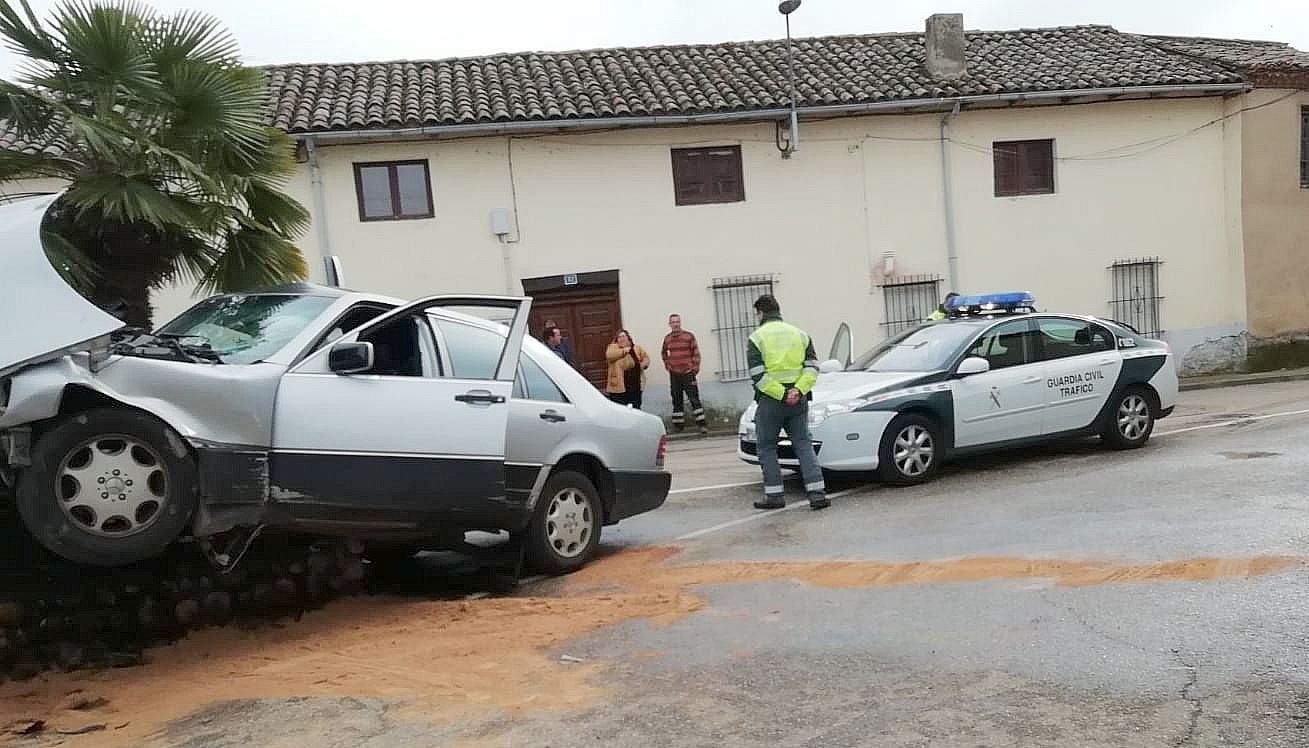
[[562, 348]]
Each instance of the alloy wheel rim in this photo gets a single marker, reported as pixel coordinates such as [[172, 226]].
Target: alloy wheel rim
[[913, 451], [112, 486], [1133, 417], [569, 522]]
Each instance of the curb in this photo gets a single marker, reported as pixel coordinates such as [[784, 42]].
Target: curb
[[1246, 379]]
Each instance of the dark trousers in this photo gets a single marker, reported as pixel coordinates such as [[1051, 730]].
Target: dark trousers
[[685, 385], [631, 397]]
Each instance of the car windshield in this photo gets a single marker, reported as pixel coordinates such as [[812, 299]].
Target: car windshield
[[247, 329], [925, 349]]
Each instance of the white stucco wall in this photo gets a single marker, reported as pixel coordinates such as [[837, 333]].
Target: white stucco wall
[[1134, 179]]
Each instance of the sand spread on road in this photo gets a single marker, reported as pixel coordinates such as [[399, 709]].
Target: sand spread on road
[[451, 660]]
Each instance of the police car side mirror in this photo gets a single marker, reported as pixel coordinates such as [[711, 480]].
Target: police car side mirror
[[829, 366], [973, 365]]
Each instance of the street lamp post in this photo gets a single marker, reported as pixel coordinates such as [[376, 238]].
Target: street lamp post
[[786, 8]]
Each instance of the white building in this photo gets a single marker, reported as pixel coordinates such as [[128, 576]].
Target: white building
[[1102, 171]]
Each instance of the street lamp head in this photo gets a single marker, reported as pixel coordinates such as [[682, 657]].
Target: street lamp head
[[787, 7]]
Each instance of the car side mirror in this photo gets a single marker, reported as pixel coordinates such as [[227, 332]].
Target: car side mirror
[[973, 365], [830, 365], [350, 358]]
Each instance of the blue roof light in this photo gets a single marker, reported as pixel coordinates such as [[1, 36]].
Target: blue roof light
[[992, 303]]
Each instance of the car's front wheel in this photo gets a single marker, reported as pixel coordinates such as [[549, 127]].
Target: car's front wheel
[[910, 452], [565, 527], [1132, 420], [108, 487]]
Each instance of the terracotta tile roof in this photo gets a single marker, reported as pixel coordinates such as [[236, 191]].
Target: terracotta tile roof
[[715, 78], [1241, 54]]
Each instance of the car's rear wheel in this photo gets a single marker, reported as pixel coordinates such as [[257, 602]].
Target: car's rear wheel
[[565, 527], [910, 451], [1132, 420], [108, 487]]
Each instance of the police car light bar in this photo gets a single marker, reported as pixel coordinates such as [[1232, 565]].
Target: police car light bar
[[1009, 302]]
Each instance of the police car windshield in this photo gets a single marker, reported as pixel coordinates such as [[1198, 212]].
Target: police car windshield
[[924, 349]]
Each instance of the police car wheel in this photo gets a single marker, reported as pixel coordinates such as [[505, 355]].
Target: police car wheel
[[1132, 420], [910, 452]]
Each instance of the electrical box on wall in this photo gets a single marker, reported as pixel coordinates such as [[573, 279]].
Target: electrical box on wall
[[500, 222]]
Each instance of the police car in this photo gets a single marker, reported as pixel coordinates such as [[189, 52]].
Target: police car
[[995, 373]]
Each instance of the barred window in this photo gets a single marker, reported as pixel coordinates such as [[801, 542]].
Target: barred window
[[1304, 147], [1136, 296], [908, 300], [734, 299]]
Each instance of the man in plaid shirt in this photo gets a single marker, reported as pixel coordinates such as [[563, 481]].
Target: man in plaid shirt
[[681, 356]]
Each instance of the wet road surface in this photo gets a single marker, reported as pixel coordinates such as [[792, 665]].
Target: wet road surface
[[1059, 596]]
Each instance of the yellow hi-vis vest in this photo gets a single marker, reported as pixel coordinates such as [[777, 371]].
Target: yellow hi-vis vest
[[783, 348]]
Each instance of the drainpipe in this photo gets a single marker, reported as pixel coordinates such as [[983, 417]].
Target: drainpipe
[[319, 215], [952, 249]]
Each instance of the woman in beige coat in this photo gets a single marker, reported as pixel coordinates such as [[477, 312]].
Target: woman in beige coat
[[627, 364]]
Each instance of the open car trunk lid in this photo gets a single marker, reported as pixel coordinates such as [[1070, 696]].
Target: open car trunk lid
[[41, 316]]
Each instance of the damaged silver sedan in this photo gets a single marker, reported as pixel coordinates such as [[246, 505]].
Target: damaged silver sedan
[[305, 408]]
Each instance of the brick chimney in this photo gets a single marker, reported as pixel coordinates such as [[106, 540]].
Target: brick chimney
[[945, 46]]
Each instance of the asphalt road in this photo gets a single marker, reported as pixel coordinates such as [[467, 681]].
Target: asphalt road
[[1062, 596]]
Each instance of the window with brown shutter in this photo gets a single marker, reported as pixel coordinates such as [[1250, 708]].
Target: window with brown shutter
[[394, 190], [1023, 167], [708, 175]]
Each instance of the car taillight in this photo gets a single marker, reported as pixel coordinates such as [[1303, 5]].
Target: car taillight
[[663, 448]]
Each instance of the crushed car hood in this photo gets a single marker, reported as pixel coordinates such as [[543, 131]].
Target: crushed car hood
[[41, 316]]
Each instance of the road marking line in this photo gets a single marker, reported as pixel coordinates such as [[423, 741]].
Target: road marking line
[[760, 515], [1233, 422], [712, 488]]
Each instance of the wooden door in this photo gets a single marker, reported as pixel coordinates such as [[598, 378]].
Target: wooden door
[[589, 320]]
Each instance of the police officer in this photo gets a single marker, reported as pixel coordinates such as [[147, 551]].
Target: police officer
[[784, 368], [940, 312]]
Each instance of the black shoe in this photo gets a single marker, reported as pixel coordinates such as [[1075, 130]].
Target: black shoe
[[819, 502], [704, 431], [769, 504]]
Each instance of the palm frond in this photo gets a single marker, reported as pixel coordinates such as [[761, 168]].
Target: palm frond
[[25, 36], [215, 106], [128, 200], [194, 258], [159, 130], [254, 259], [278, 212], [192, 37], [16, 165]]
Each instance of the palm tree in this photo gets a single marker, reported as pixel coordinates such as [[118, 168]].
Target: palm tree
[[158, 131]]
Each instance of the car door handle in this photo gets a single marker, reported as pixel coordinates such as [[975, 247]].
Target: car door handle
[[1106, 361], [482, 397], [553, 416], [1031, 380]]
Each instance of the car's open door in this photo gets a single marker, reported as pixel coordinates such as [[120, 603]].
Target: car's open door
[[371, 430], [842, 346]]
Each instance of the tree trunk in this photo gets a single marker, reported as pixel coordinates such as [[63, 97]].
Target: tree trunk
[[124, 294]]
